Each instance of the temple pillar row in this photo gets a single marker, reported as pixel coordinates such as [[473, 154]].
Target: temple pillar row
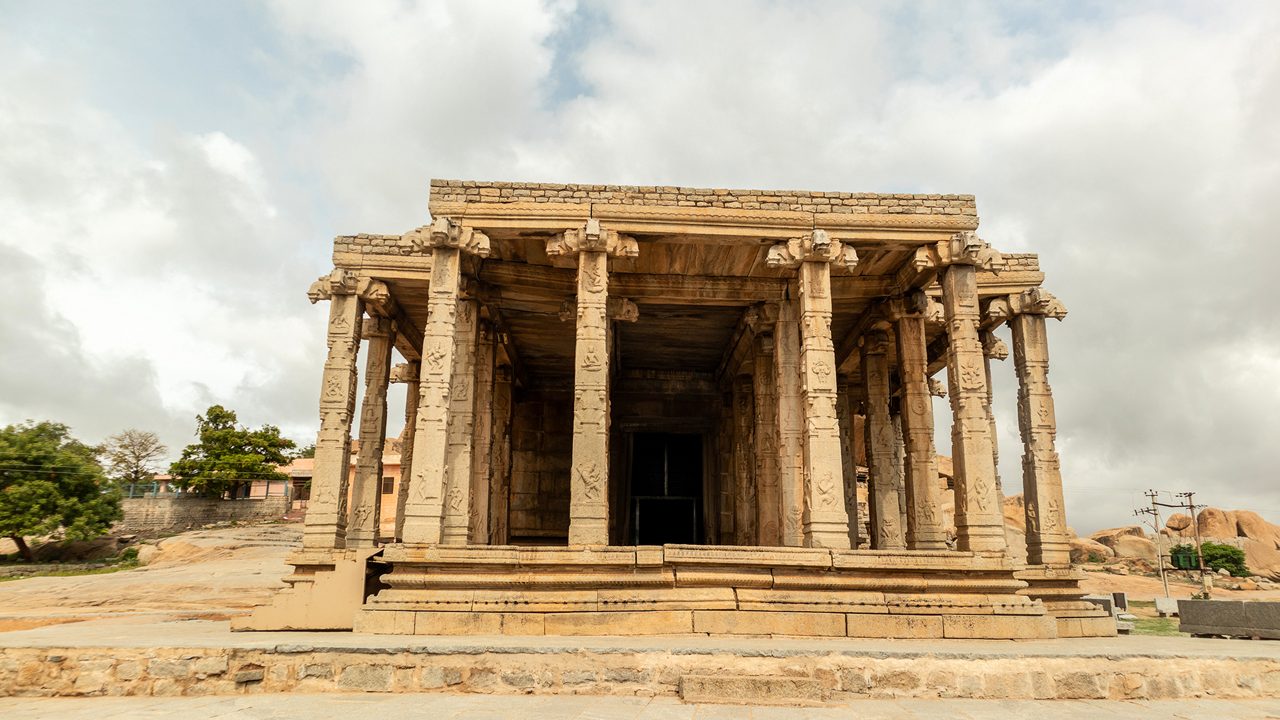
[[406, 373]]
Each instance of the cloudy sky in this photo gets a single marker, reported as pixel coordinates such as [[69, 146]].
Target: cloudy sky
[[172, 173]]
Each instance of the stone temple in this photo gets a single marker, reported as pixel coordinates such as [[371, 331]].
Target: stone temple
[[633, 410]]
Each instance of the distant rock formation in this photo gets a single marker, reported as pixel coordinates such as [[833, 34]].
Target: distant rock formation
[[1245, 529]]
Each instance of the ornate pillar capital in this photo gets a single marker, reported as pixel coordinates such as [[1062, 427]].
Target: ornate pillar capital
[[345, 282], [911, 304], [592, 237], [761, 318], [966, 248], [445, 232], [377, 327], [993, 347], [816, 246]]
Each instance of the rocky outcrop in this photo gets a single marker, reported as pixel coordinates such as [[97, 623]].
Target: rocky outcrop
[[1085, 550], [1244, 529]]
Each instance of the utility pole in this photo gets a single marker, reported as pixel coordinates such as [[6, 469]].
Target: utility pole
[[1154, 521], [1195, 522]]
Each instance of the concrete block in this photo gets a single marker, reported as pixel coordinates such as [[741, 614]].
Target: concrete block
[[1166, 607]]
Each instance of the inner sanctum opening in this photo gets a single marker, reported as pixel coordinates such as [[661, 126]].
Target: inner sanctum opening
[[665, 489]]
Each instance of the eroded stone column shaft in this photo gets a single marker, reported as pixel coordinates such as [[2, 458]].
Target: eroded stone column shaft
[[744, 457], [768, 499], [886, 526], [462, 407], [588, 503], [844, 413], [825, 523], [366, 489], [406, 373], [924, 515], [326, 521], [500, 453], [979, 519], [786, 345], [1041, 473], [482, 436], [424, 511]]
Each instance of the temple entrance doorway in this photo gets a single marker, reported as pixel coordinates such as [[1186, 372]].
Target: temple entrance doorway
[[666, 489]]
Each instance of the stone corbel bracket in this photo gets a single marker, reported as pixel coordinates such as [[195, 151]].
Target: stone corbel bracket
[[446, 232], [993, 347], [1034, 301], [936, 388], [377, 327], [345, 282], [911, 304], [761, 318], [405, 372], [817, 246], [591, 237], [619, 309], [966, 248]]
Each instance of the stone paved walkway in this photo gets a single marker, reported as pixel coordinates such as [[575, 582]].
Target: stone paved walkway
[[484, 707]]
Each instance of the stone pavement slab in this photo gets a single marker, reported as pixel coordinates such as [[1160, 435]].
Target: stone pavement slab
[[148, 633], [484, 707]]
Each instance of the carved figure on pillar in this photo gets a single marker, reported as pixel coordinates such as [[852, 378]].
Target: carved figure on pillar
[[366, 491], [456, 529], [923, 494], [825, 523], [979, 517], [446, 240]]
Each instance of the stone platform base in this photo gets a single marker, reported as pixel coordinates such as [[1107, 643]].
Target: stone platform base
[[683, 589], [204, 658]]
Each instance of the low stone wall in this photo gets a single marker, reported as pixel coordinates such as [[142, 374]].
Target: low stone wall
[[716, 675], [175, 513], [1232, 618]]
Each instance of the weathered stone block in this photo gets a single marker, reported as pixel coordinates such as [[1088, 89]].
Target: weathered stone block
[[1015, 627], [729, 689], [370, 678], [658, 622], [748, 622], [893, 626]]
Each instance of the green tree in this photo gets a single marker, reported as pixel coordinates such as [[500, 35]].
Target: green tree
[[228, 454], [308, 451], [1228, 557], [50, 483]]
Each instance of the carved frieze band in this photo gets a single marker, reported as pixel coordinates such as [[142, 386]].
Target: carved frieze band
[[619, 309]]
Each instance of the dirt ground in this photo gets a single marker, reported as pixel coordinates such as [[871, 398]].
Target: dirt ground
[[1141, 587], [208, 574]]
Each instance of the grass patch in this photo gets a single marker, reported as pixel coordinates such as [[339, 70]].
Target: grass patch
[[126, 560], [1162, 627]]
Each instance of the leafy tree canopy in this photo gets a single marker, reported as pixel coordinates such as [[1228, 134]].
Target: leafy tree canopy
[[306, 452], [1225, 557], [228, 453], [50, 483]]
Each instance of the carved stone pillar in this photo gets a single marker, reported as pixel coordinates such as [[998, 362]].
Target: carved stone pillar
[[1047, 542], [727, 474], [993, 348], [824, 523], [482, 435], [462, 406], [326, 523], [886, 525], [500, 454], [406, 373], [744, 459], [768, 500], [366, 489], [979, 518], [786, 348], [923, 496], [447, 241], [844, 413], [588, 486]]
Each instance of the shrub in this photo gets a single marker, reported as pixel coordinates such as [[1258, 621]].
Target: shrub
[[1228, 557]]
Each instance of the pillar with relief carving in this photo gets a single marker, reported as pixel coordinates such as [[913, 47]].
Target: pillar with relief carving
[[886, 528], [326, 523], [923, 493], [366, 488], [592, 246], [406, 374], [824, 522], [979, 517], [447, 241]]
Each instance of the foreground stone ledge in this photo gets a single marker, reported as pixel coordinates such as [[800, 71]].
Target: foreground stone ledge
[[711, 674]]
